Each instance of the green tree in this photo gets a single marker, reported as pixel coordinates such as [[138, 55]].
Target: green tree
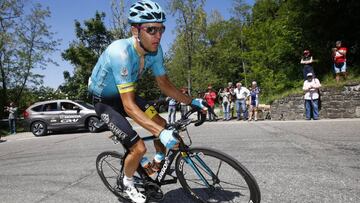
[[191, 24], [35, 44], [10, 12], [272, 40], [120, 26], [26, 42]]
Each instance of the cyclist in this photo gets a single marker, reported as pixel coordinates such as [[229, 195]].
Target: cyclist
[[113, 81]]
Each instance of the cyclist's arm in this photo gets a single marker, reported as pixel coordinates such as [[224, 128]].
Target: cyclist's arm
[[168, 88], [138, 115]]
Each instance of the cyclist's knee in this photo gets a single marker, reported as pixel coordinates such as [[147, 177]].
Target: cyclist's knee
[[139, 148]]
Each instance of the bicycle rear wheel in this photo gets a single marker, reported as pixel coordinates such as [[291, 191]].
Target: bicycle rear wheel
[[209, 175], [108, 166]]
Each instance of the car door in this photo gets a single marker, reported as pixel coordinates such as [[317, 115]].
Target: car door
[[50, 113], [70, 114]]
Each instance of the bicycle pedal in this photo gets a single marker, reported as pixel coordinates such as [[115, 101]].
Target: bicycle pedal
[[154, 194]]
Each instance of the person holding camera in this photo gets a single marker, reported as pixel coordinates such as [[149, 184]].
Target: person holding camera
[[311, 89], [339, 58], [12, 117]]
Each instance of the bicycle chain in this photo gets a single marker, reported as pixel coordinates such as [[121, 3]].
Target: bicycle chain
[[153, 191]]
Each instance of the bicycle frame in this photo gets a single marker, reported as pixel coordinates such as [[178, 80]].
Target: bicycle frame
[[191, 165], [168, 161], [171, 156]]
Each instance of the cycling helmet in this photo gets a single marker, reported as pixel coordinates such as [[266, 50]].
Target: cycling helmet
[[146, 11]]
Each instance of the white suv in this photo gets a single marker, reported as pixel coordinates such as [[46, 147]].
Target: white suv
[[60, 115]]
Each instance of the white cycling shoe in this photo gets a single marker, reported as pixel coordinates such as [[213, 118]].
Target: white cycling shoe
[[135, 195]]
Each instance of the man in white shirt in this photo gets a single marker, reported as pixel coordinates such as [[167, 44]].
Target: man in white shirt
[[241, 95], [311, 88]]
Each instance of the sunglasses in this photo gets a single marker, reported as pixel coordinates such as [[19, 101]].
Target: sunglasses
[[152, 30]]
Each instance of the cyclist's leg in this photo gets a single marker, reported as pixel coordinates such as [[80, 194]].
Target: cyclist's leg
[[153, 115], [120, 127]]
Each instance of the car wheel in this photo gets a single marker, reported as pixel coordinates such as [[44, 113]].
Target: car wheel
[[39, 128], [91, 124]]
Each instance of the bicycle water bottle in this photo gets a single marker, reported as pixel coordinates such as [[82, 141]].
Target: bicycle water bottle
[[156, 163], [146, 164]]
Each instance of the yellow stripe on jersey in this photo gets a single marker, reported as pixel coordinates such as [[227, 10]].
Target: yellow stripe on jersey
[[151, 112], [128, 87]]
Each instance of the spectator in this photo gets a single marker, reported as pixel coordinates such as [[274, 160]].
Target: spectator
[[339, 58], [254, 100], [171, 110], [311, 97], [200, 95], [241, 94], [12, 117], [225, 95], [307, 61], [231, 98], [183, 106], [210, 97]]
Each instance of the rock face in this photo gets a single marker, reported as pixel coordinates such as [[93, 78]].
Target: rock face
[[335, 103]]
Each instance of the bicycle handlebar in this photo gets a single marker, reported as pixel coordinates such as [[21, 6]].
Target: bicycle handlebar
[[185, 121]]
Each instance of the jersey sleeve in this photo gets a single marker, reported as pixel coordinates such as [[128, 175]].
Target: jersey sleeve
[[157, 67], [120, 61]]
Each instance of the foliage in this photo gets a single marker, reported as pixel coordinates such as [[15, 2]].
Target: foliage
[[191, 26], [83, 54], [266, 44], [26, 42], [263, 42]]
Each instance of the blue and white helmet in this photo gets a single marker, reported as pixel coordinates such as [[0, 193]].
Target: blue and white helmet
[[146, 11]]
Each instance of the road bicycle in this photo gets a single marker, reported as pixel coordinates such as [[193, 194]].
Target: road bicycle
[[205, 174]]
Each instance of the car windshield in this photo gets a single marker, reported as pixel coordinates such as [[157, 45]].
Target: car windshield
[[86, 105]]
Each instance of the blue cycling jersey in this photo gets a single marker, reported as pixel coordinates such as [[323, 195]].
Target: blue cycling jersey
[[118, 68]]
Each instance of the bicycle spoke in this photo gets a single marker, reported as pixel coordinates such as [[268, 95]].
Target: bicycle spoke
[[217, 173], [198, 183], [225, 178], [237, 186], [112, 167]]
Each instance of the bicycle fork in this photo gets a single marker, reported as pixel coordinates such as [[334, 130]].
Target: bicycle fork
[[206, 168]]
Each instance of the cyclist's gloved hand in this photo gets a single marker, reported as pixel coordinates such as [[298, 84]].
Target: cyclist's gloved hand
[[199, 104], [168, 139]]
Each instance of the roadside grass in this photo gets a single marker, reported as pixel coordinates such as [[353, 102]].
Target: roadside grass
[[328, 81]]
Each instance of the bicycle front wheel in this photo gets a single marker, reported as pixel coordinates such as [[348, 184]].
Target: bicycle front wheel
[[209, 175]]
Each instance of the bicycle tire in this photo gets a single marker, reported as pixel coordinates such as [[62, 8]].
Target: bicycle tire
[[248, 190], [110, 177]]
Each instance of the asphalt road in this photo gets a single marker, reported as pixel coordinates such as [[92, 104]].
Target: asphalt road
[[293, 161]]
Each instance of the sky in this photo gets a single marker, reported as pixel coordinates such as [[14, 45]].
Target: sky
[[65, 12]]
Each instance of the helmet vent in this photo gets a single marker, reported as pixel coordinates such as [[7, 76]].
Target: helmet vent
[[147, 17], [148, 5], [139, 8], [157, 15]]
